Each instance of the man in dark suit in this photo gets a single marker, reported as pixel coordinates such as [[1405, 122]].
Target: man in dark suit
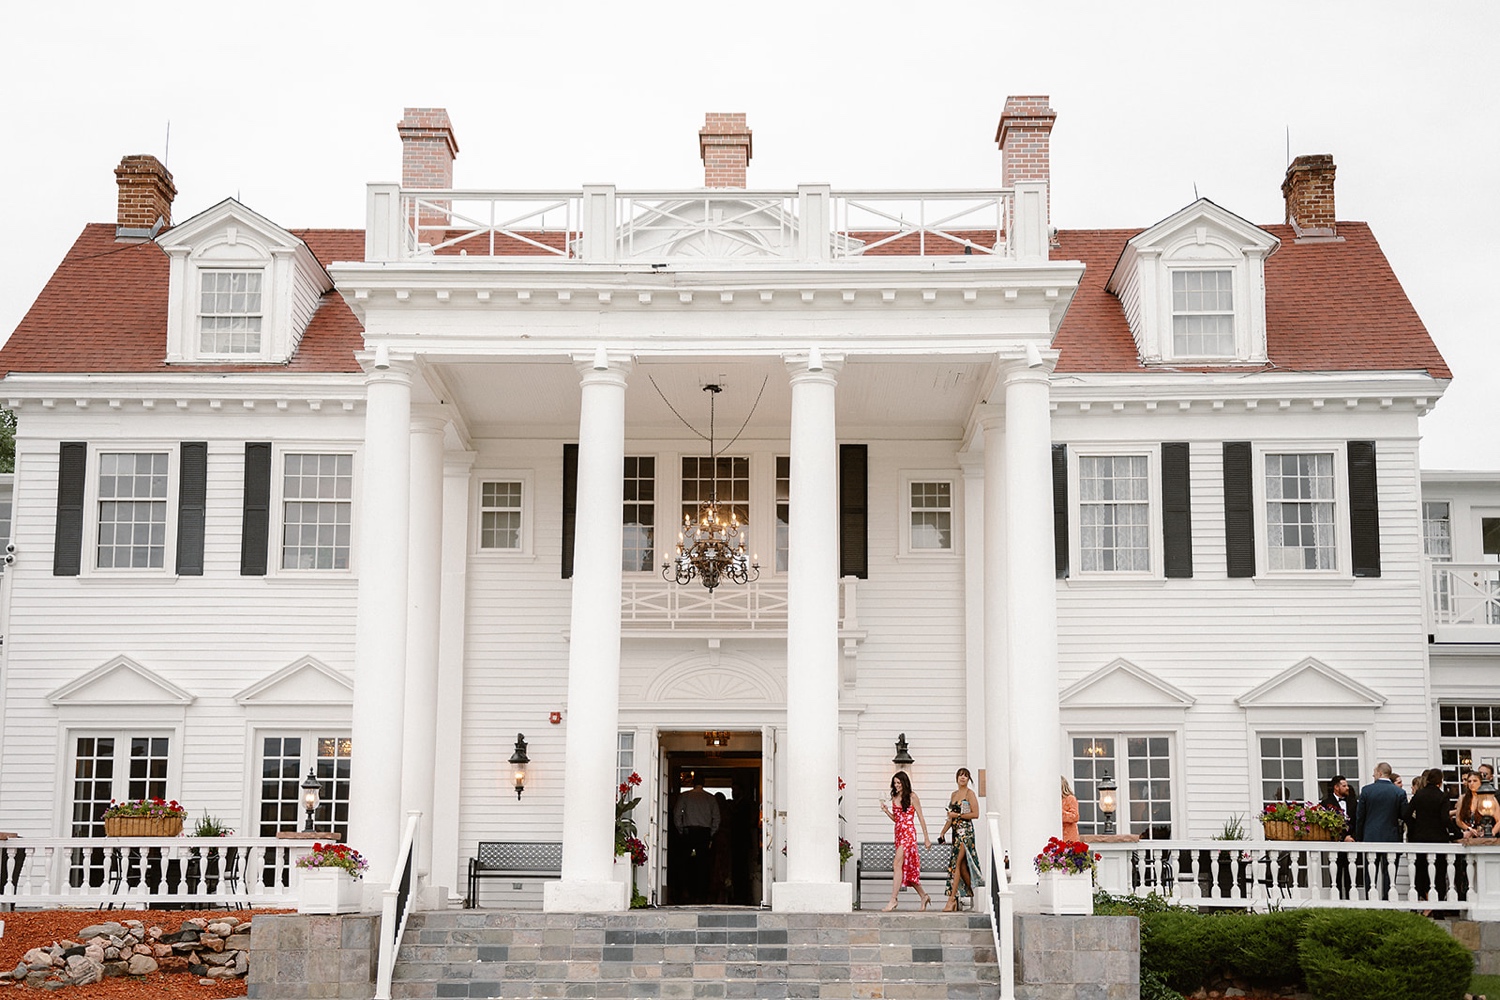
[[1378, 819], [1341, 797]]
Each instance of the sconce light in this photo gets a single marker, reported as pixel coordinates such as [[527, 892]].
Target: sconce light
[[1488, 809], [1107, 802], [312, 793], [903, 759], [518, 762]]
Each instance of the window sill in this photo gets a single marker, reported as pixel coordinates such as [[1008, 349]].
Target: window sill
[[920, 555], [1304, 580], [503, 555], [1097, 582]]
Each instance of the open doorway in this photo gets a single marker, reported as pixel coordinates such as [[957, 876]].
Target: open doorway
[[726, 868]]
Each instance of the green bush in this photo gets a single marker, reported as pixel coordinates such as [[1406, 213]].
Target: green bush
[[1381, 955], [1268, 947], [1179, 946], [1106, 905]]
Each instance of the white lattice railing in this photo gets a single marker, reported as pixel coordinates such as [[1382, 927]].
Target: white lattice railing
[[1463, 600], [1281, 874], [810, 223], [656, 603], [137, 871]]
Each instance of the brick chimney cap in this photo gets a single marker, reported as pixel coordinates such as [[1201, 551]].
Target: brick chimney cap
[[423, 122], [1320, 162], [725, 128], [1025, 111]]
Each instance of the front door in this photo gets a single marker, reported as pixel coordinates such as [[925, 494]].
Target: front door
[[1487, 526], [719, 779]]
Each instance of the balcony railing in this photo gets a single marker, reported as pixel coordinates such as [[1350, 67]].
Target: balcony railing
[[1268, 875], [808, 224], [1463, 601], [135, 872], [759, 606]]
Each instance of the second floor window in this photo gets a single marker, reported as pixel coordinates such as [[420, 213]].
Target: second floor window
[[1203, 314], [931, 516], [229, 312], [317, 500], [726, 478], [500, 515], [1114, 513], [638, 554], [132, 510], [1437, 531], [1300, 525]]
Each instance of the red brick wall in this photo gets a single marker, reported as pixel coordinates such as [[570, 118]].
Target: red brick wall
[[724, 144], [1025, 139], [145, 192], [1308, 190], [428, 149]]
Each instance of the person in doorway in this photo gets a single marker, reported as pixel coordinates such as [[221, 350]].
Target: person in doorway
[[1069, 812], [721, 875], [1341, 797], [905, 810], [697, 820], [963, 863], [1381, 804]]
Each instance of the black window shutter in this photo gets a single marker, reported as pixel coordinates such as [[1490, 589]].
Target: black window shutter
[[1364, 510], [1239, 510], [569, 507], [1059, 507], [255, 526], [67, 543], [192, 491], [1176, 511], [854, 510]]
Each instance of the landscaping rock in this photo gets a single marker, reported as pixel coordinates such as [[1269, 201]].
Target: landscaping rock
[[141, 965], [214, 952]]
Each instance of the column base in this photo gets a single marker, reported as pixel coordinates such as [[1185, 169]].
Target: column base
[[585, 897], [1026, 897], [812, 897]]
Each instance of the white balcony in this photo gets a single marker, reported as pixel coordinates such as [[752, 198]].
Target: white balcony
[[809, 224], [653, 604], [1463, 601]]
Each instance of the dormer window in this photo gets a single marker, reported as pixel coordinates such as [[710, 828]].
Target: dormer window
[[229, 318], [1203, 314]]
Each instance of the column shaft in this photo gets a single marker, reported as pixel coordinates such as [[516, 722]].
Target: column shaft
[[418, 773], [446, 850]]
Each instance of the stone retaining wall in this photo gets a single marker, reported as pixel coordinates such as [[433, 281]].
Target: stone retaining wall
[[1077, 958], [299, 956]]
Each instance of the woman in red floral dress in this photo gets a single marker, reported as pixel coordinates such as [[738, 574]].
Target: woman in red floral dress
[[905, 810]]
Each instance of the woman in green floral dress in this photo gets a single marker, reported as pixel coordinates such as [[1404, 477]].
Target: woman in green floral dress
[[964, 871]]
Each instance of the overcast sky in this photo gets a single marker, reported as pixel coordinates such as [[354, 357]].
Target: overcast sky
[[291, 107]]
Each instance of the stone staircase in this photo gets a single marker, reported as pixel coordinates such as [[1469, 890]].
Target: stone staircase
[[692, 953]]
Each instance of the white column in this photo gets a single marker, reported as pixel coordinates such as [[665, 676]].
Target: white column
[[380, 624], [450, 705], [418, 771], [593, 716], [1031, 619], [812, 650], [997, 771]]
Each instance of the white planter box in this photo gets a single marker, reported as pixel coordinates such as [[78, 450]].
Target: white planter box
[[328, 890], [1066, 893]]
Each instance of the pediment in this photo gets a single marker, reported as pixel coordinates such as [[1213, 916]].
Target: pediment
[[1311, 683], [121, 681], [229, 229], [308, 681], [717, 680], [1200, 231], [1122, 684]]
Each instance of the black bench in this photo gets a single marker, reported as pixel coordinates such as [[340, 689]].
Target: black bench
[[877, 861], [508, 859]]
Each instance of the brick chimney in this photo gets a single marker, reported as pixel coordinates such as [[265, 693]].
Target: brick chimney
[[724, 144], [1308, 190], [428, 149], [1025, 140], [146, 192]]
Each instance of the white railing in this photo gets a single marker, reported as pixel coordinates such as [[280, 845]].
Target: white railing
[[1463, 601], [1269, 875], [134, 872], [810, 223], [1002, 912], [395, 906], [655, 603]]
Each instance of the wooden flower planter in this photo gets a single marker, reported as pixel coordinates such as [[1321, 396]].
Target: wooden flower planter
[[143, 826], [1276, 829]]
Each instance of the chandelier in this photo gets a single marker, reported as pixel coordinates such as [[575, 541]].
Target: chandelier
[[711, 548]]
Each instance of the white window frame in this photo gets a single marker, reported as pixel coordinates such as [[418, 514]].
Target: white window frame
[[954, 479], [1152, 453], [528, 495], [121, 779], [1342, 542], [202, 273], [663, 536], [1120, 771], [89, 565], [278, 509], [1170, 332], [309, 733], [1309, 738]]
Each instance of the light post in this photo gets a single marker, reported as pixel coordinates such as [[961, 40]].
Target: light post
[[1107, 802], [1487, 808], [312, 792]]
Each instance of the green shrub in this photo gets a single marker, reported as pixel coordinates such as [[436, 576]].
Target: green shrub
[[1268, 948], [1381, 955], [1179, 946], [1106, 905], [1153, 987]]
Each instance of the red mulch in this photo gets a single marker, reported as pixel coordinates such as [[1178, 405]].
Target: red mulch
[[27, 929]]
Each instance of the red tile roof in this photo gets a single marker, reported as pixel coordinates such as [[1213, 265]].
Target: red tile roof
[[1330, 306]]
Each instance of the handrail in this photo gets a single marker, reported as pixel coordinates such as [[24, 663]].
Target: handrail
[[395, 906], [1002, 912]]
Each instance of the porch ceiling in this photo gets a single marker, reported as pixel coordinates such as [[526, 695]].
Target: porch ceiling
[[876, 397]]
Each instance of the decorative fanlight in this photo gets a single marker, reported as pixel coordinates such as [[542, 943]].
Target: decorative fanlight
[[711, 548]]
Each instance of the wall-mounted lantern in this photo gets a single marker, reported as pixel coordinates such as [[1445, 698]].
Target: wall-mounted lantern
[[518, 762], [903, 758]]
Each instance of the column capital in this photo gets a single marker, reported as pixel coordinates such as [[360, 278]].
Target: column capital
[[602, 365], [814, 366], [1020, 373], [428, 423], [399, 373], [458, 464]]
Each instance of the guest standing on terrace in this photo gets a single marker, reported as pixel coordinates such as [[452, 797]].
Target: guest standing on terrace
[[1379, 819], [1069, 812], [963, 863], [904, 810], [1429, 822]]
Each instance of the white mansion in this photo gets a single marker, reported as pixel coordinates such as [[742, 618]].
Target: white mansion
[[1133, 503]]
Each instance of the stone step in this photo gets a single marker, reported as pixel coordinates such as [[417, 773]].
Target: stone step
[[693, 953]]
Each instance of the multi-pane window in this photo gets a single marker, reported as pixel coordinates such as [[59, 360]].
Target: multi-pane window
[[229, 312], [317, 510], [726, 478], [285, 762], [1299, 512], [99, 775], [1114, 512], [1470, 736], [500, 515], [639, 550], [132, 510], [1143, 778], [1301, 768], [783, 512], [624, 757], [1203, 314], [931, 516], [6, 490], [1437, 545]]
